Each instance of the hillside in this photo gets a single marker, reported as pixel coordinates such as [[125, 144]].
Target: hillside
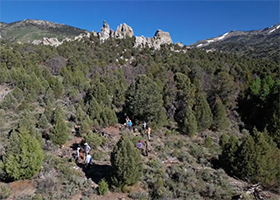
[[262, 43], [214, 119], [29, 30]]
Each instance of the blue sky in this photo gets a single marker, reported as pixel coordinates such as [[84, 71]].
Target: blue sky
[[186, 21]]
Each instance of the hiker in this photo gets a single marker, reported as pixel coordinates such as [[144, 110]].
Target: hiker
[[149, 133], [88, 160], [147, 147], [139, 144], [144, 126], [78, 154], [126, 121], [87, 148], [130, 125]]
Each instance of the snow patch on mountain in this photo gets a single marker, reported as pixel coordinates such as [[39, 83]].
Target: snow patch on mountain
[[274, 29]]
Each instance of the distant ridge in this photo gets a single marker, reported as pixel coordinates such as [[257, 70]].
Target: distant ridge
[[50, 33], [263, 43]]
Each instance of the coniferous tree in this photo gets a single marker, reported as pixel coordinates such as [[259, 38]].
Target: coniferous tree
[[203, 113], [108, 117], [43, 122], [184, 114], [24, 155], [187, 124], [126, 163], [59, 132], [219, 116], [228, 158], [144, 101]]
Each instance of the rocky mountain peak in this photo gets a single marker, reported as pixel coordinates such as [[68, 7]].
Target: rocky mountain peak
[[123, 31], [105, 32], [159, 39], [163, 36]]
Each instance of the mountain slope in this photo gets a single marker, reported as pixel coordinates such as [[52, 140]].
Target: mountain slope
[[262, 43], [29, 30]]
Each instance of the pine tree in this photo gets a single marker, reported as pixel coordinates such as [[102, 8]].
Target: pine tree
[[24, 155], [126, 163]]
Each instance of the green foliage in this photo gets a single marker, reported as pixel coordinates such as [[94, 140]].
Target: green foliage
[[103, 187], [116, 84], [108, 117], [93, 139], [219, 116], [256, 159], [100, 93], [24, 155], [126, 163], [188, 124], [5, 192], [228, 158], [208, 142], [43, 122], [226, 88], [59, 132], [203, 113], [144, 101]]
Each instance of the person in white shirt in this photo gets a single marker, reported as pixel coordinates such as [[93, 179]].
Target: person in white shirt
[[88, 160]]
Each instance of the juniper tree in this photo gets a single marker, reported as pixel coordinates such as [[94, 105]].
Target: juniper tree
[[203, 113], [219, 116], [144, 101], [184, 114], [59, 132], [126, 163], [24, 155]]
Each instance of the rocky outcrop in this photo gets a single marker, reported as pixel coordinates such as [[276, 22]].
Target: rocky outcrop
[[105, 32], [123, 31], [159, 39], [48, 41]]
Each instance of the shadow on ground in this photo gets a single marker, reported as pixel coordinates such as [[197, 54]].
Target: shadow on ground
[[96, 172]]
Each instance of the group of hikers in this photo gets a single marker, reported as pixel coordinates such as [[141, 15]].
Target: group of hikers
[[83, 155], [82, 152], [146, 146]]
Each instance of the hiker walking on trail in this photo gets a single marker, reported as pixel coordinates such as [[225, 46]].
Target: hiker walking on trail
[[144, 126], [130, 125], [87, 149], [149, 133], [78, 154], [139, 144], [88, 160], [147, 147]]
